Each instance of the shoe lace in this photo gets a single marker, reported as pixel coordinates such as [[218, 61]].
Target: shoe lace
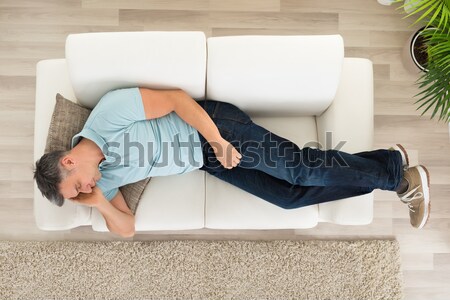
[[407, 199]]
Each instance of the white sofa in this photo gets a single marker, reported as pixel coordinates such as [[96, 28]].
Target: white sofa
[[300, 87]]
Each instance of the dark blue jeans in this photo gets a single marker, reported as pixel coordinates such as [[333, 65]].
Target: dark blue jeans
[[278, 171]]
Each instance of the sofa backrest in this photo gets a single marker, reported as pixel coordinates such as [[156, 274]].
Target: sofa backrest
[[100, 62], [275, 75], [263, 75]]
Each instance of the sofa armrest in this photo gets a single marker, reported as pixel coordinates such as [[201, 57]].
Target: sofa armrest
[[52, 77], [350, 120], [350, 116]]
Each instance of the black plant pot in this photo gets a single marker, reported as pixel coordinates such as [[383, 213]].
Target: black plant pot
[[414, 54]]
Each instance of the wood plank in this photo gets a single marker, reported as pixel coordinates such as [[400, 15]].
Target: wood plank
[[165, 20], [273, 20], [341, 6], [56, 16], [190, 5], [248, 5]]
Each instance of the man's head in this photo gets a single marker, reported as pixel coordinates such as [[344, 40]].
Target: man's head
[[63, 175]]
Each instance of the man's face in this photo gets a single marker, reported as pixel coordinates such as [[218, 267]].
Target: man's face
[[81, 179]]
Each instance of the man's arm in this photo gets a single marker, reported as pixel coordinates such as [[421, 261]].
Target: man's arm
[[158, 103], [119, 219]]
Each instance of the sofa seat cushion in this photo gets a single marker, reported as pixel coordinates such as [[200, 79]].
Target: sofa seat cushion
[[228, 207], [175, 202]]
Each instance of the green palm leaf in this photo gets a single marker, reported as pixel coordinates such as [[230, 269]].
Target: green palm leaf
[[436, 93], [431, 11], [434, 85]]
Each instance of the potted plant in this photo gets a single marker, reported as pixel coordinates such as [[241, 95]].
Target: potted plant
[[428, 52]]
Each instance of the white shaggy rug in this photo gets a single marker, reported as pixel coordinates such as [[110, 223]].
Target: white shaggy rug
[[365, 269]]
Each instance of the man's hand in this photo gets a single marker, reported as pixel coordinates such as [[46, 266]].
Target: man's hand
[[93, 199], [226, 153]]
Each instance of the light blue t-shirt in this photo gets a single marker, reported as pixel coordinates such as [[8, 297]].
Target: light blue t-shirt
[[136, 148]]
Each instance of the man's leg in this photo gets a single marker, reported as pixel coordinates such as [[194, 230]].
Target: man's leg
[[281, 158], [267, 152], [282, 193]]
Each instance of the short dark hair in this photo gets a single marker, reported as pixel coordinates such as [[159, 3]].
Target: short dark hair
[[48, 174]]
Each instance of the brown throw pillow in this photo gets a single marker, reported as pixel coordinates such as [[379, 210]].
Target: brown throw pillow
[[67, 120]]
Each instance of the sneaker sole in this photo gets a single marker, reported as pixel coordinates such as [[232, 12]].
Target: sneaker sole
[[425, 175], [404, 152]]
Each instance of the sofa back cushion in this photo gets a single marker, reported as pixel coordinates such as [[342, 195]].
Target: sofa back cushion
[[275, 75], [100, 62]]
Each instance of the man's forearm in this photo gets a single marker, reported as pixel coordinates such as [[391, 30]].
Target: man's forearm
[[117, 221], [191, 112]]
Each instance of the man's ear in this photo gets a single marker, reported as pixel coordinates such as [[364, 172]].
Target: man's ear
[[68, 162]]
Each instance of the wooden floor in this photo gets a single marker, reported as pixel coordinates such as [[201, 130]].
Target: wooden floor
[[35, 30]]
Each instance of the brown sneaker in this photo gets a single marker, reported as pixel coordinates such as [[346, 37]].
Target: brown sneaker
[[404, 154], [417, 196]]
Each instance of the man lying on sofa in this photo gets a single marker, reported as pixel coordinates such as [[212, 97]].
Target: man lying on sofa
[[136, 133]]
